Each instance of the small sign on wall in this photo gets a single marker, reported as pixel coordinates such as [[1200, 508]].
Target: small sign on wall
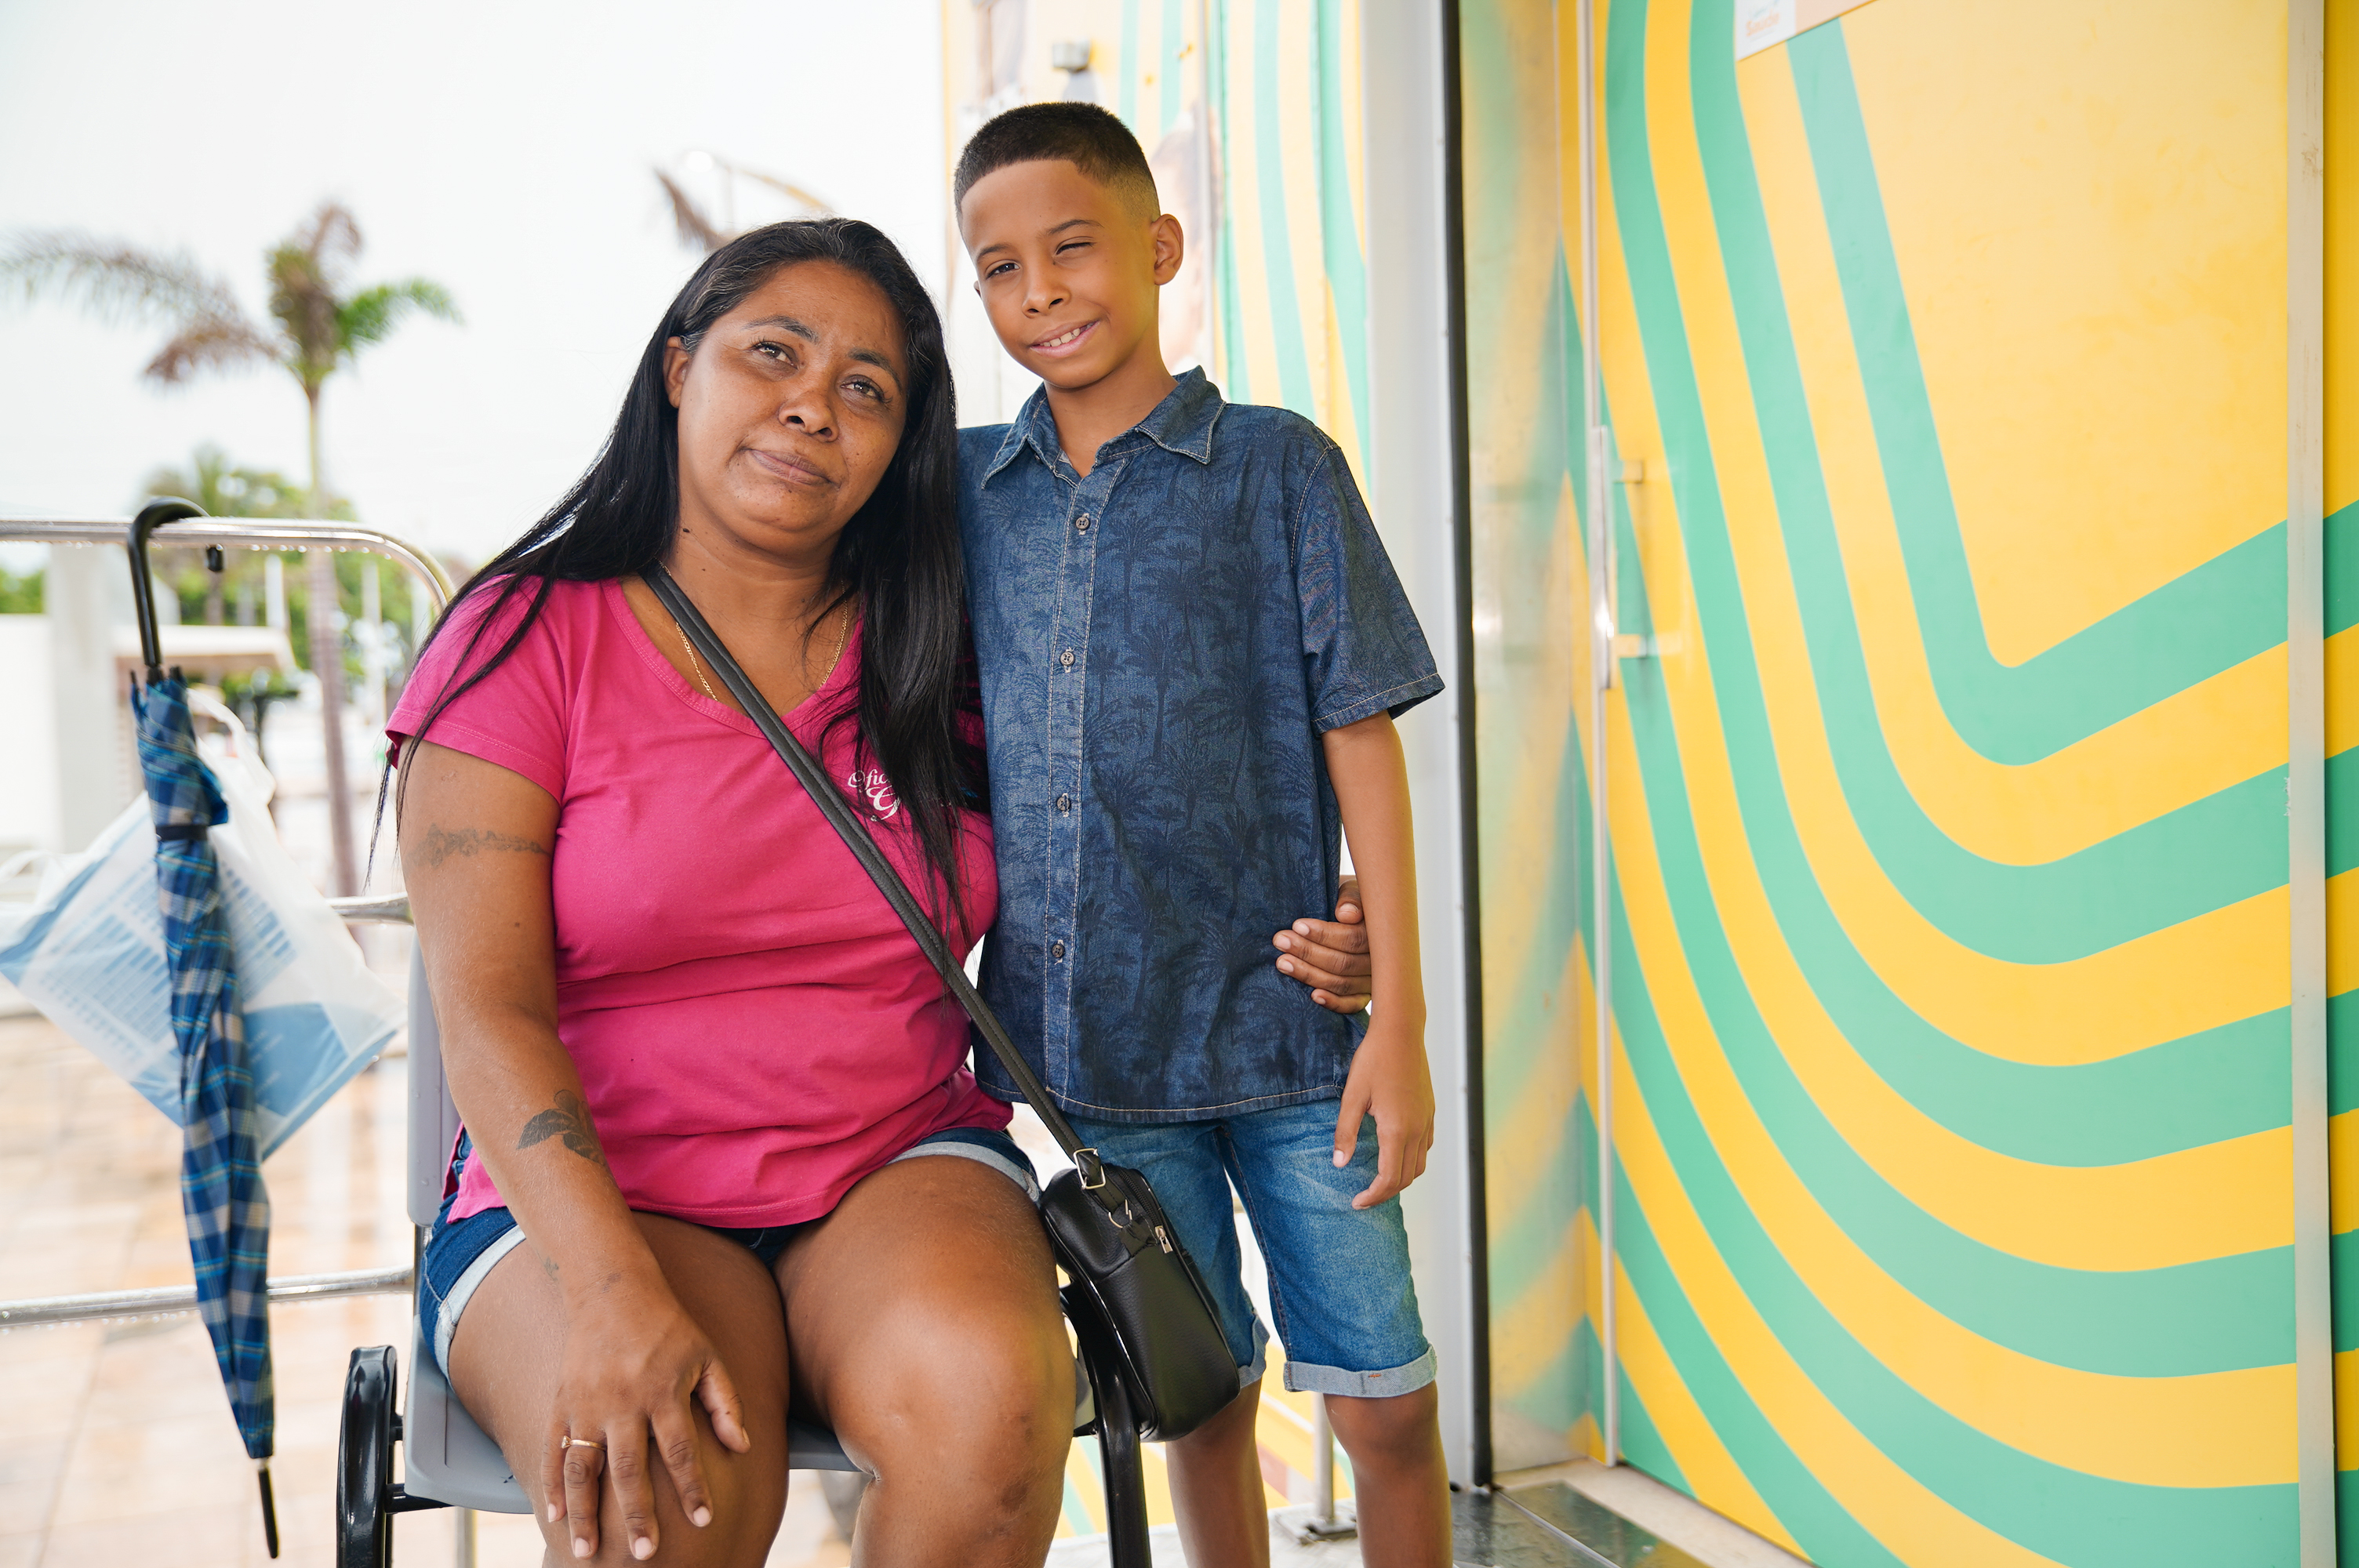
[[1761, 23]]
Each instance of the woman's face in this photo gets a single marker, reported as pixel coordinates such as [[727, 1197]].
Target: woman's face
[[791, 409]]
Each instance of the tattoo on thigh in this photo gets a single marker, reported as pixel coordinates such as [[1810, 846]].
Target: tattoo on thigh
[[442, 843], [569, 1122]]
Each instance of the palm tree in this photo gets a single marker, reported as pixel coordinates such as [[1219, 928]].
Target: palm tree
[[318, 328], [702, 229], [315, 329]]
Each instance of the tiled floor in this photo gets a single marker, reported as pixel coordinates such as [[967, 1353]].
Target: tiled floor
[[1163, 1541], [1489, 1533], [1598, 1529], [117, 1444]]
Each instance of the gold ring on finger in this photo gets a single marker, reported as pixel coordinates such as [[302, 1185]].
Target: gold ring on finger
[[570, 1441]]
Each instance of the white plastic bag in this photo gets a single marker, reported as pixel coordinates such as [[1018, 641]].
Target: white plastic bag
[[88, 950]]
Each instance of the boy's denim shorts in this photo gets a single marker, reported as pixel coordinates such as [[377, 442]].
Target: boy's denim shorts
[[460, 1254], [1339, 1281]]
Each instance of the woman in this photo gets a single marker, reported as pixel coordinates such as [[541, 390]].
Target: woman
[[697, 1056]]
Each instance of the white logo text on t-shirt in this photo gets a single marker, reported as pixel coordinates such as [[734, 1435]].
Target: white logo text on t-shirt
[[883, 804]]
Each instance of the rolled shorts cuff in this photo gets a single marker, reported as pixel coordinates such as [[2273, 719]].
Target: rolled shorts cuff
[[1254, 1371], [454, 1302], [984, 1146], [1303, 1378]]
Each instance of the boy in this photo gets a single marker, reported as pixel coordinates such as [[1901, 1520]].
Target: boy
[[1192, 648]]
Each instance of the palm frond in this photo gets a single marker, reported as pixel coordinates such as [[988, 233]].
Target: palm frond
[[695, 228], [210, 343], [113, 280], [818, 207], [369, 316], [331, 232]]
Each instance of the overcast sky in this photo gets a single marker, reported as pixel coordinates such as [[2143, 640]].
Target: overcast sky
[[502, 150]]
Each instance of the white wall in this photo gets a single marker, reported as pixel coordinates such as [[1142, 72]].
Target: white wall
[[1412, 494], [29, 779], [88, 595]]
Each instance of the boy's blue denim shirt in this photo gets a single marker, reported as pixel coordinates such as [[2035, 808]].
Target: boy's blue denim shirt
[[1162, 643]]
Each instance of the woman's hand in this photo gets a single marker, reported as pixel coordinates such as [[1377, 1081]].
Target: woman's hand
[[1331, 956], [636, 1368]]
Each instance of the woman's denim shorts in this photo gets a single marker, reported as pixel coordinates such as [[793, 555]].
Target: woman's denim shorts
[[460, 1254]]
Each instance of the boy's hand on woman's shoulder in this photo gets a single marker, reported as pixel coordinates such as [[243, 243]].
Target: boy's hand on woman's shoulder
[[1331, 956]]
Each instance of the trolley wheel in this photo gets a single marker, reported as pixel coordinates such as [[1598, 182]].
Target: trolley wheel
[[365, 1461]]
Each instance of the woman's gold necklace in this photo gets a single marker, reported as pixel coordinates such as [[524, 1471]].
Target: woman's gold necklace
[[696, 665]]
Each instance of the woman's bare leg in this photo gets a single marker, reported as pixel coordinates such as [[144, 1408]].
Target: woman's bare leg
[[923, 1319], [504, 1364]]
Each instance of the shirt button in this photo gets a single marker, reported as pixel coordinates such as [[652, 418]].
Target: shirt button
[[1056, 949], [1066, 658], [1064, 803], [1081, 524]]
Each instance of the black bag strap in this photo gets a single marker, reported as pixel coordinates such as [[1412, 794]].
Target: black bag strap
[[856, 837]]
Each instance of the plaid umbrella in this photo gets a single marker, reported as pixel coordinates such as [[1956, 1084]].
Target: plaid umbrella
[[221, 1180]]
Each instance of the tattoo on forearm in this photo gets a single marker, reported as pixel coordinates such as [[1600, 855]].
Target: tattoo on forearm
[[569, 1122], [441, 843]]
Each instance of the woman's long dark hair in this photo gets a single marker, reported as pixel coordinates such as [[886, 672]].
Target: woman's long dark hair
[[897, 559]]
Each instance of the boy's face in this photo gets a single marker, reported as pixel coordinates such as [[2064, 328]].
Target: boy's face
[[1068, 270]]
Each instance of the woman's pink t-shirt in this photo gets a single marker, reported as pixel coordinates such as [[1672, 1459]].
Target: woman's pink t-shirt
[[755, 1029]]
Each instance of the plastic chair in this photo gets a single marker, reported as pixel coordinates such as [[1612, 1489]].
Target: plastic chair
[[448, 1462]]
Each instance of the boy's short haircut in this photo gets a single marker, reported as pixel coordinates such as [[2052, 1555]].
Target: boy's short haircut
[[1083, 134]]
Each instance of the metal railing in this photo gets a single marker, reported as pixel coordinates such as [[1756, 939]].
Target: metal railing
[[260, 534], [165, 1300], [250, 532]]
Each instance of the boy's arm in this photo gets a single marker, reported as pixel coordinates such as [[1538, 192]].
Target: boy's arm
[[1388, 1078]]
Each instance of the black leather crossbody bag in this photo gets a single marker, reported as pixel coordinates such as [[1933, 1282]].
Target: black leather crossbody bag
[[1135, 1297]]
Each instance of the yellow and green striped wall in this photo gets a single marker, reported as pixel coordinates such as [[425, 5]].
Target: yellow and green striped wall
[[1284, 234], [1953, 1171], [1944, 355]]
